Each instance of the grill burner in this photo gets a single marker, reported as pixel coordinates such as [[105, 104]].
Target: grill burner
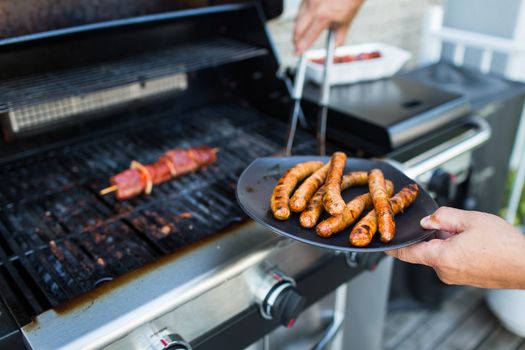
[[59, 238]]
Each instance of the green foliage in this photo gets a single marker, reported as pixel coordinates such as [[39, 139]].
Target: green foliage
[[520, 216]]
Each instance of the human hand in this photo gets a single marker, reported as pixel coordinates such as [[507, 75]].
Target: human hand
[[317, 15], [473, 248]]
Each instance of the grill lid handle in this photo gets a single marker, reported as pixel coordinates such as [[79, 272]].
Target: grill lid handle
[[442, 153]]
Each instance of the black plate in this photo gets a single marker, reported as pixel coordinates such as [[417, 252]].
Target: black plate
[[256, 184]]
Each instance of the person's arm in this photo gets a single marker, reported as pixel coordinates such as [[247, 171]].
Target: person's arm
[[317, 15], [474, 248]]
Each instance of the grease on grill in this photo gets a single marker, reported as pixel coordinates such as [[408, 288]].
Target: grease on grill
[[88, 298], [69, 240]]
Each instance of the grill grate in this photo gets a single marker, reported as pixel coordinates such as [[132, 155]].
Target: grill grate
[[50, 98], [59, 238]]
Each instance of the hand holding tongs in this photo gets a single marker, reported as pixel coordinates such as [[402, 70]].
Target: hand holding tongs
[[323, 102]]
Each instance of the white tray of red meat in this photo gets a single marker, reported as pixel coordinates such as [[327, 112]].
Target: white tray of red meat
[[356, 63]]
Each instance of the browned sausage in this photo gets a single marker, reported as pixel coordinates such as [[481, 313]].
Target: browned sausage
[[281, 193], [363, 232], [310, 216], [352, 211], [366, 228], [380, 200], [404, 198], [303, 194], [332, 201]]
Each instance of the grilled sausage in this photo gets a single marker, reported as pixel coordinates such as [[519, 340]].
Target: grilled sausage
[[380, 199], [332, 200], [352, 211], [310, 216], [303, 194], [284, 188], [363, 232]]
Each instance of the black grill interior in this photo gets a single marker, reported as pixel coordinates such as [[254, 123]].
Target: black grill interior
[[59, 238]]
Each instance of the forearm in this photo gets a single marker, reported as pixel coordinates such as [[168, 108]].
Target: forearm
[[516, 270]]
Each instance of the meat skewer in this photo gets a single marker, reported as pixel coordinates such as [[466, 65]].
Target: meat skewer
[[108, 190], [141, 178]]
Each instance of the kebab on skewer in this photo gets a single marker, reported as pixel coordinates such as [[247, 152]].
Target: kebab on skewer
[[141, 178]]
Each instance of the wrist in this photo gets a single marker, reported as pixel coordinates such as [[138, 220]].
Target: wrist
[[521, 282]]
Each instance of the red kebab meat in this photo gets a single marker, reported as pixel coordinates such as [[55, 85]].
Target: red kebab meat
[[141, 178]]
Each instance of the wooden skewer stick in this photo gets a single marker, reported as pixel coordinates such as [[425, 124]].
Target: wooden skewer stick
[[109, 189]]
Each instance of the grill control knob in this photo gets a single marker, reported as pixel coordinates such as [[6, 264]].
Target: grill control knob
[[443, 185], [174, 342], [287, 304], [279, 299]]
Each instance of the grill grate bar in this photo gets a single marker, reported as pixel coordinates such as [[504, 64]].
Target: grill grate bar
[[50, 98], [34, 304], [70, 240], [185, 58], [23, 257]]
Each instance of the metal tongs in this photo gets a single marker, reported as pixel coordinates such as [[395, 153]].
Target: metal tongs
[[296, 110], [323, 101]]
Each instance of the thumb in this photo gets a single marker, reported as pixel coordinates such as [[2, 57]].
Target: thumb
[[424, 253], [447, 219]]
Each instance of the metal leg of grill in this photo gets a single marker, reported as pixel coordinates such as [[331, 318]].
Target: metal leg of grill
[[366, 306]]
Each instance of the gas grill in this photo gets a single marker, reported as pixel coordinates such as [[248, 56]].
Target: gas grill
[[183, 267]]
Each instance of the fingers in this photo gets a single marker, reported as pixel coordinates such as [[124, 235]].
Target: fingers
[[340, 34], [444, 235], [448, 220], [316, 15], [304, 18], [312, 32], [424, 253]]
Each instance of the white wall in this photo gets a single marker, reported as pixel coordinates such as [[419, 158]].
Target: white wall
[[395, 22], [504, 19]]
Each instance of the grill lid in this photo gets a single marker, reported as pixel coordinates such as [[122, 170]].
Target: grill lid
[[60, 76], [380, 116]]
